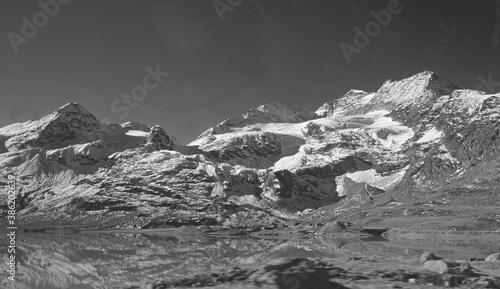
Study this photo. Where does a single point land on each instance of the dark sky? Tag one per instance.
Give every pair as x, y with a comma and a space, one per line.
288, 51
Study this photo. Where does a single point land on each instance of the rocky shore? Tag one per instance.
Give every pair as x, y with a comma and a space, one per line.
429, 271
317, 255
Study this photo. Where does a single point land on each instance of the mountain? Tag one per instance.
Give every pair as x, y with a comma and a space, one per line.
420, 147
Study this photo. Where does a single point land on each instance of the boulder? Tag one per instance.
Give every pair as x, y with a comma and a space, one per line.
204, 228
438, 266
493, 257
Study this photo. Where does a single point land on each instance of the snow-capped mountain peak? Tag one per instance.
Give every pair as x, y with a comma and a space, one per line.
66, 125
267, 113
419, 89
408, 138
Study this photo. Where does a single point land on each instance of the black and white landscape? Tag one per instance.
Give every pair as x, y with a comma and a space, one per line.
416, 159
361, 146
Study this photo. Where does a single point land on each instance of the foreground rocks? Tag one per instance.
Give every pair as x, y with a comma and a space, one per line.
302, 273
438, 266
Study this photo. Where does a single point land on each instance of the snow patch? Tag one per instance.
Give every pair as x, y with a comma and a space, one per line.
367, 98
370, 177
375, 179
388, 132
431, 135
138, 133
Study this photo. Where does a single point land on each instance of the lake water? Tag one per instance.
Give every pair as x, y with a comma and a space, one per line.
84, 261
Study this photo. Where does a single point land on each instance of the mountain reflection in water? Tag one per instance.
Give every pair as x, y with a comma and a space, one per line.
84, 261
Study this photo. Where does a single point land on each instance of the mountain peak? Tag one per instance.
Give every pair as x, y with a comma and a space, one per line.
277, 112
158, 139
270, 112
68, 124
75, 116
356, 91
352, 100
419, 90
72, 108
422, 88
425, 77
431, 77
427, 73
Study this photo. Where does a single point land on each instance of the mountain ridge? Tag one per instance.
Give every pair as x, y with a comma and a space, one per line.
409, 141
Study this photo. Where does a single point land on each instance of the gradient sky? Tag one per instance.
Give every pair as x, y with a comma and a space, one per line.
287, 51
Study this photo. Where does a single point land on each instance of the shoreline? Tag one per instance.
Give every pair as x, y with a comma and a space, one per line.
219, 231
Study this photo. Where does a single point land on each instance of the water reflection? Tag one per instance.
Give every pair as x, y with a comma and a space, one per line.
82, 261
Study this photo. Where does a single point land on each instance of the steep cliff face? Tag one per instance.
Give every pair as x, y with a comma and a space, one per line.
456, 146
412, 138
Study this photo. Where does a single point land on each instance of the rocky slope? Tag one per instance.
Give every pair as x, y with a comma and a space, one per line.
414, 141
